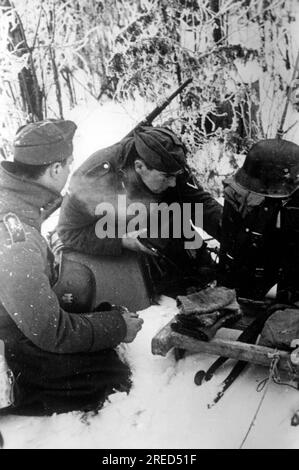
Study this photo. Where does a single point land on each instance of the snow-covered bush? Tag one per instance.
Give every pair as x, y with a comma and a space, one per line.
239, 54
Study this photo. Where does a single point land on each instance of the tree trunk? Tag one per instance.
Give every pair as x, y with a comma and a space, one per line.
217, 31
29, 88
51, 24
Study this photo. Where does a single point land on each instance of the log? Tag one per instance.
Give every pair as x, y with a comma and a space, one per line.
167, 339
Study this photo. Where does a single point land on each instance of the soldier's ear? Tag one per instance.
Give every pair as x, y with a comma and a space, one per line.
55, 169
139, 166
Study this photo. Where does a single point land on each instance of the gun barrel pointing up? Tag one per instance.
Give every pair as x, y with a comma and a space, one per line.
147, 121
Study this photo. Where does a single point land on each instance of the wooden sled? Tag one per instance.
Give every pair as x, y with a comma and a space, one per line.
166, 339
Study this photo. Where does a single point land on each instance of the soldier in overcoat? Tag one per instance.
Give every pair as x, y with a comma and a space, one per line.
60, 360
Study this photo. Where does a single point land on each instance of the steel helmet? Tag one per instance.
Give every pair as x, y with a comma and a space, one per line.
271, 168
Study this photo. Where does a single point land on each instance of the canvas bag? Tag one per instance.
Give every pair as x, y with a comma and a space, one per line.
281, 328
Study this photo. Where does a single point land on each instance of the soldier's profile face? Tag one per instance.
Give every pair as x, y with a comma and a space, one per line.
157, 181
64, 173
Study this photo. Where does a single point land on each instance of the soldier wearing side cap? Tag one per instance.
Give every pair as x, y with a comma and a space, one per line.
61, 361
148, 166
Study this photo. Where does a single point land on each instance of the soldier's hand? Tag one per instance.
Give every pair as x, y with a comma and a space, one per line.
134, 324
131, 242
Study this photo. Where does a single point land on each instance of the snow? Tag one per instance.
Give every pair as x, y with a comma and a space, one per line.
101, 126
164, 409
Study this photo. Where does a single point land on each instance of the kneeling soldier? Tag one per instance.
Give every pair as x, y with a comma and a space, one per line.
61, 361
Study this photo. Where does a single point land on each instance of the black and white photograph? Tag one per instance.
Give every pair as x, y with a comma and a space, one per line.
149, 227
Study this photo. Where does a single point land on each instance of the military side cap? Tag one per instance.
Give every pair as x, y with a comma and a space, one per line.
160, 148
44, 142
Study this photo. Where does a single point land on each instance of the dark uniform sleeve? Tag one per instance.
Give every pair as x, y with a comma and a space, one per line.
96, 181
77, 230
26, 295
192, 192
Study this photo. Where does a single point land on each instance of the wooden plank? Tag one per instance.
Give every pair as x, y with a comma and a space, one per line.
167, 339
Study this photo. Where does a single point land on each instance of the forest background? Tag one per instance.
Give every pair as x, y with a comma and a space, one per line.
59, 54
105, 64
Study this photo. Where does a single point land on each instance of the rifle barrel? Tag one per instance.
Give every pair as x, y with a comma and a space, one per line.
158, 109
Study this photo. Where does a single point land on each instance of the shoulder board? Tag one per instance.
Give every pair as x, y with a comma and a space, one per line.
14, 227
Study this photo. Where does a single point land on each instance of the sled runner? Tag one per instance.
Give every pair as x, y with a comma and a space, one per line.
167, 339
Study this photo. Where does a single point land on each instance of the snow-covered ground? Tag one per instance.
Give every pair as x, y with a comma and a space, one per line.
164, 409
